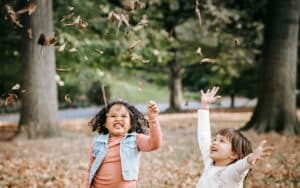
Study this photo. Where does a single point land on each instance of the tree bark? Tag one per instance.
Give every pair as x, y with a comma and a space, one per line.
175, 86
276, 108
39, 111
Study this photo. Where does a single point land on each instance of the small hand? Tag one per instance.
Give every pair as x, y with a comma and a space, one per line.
209, 97
259, 153
153, 110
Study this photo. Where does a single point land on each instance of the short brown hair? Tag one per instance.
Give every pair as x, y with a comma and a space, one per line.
239, 143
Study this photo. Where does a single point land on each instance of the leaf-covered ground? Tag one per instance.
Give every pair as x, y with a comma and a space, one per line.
61, 162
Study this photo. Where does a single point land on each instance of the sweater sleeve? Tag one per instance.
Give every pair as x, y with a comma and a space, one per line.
91, 160
152, 141
238, 170
204, 135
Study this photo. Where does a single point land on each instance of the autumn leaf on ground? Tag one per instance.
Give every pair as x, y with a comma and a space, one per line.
46, 41
11, 15
30, 8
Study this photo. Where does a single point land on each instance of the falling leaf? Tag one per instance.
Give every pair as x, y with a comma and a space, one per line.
199, 51
145, 61
46, 41
10, 99
133, 6
70, 8
29, 32
134, 44
78, 22
68, 99
16, 87
236, 42
12, 16
73, 50
143, 22
86, 58
122, 19
30, 8
62, 47
63, 69
67, 17
140, 86
99, 51
207, 60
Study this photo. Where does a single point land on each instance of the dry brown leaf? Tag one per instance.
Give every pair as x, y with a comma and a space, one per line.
12, 16
30, 8
46, 41
207, 60
78, 22
62, 47
134, 44
11, 99
133, 6
68, 99
29, 32
63, 69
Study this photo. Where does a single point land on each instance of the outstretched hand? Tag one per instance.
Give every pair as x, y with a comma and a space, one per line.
209, 97
259, 153
153, 110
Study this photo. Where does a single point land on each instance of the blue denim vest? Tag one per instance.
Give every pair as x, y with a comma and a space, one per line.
130, 156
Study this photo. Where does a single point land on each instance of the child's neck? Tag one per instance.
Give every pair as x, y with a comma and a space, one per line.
223, 162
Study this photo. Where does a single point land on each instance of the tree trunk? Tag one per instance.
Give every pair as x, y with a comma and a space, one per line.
276, 108
175, 86
39, 111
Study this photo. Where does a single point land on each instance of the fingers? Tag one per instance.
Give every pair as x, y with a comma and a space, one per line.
261, 144
152, 107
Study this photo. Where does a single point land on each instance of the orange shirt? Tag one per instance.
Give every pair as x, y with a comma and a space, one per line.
109, 174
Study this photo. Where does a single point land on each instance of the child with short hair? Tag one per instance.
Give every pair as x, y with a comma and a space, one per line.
115, 152
228, 157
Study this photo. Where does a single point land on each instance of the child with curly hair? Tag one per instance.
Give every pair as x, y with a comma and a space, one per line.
115, 152
228, 157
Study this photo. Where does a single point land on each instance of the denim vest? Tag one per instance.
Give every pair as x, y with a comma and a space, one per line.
130, 156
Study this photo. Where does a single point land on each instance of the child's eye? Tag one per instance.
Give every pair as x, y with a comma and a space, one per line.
124, 116
222, 140
214, 139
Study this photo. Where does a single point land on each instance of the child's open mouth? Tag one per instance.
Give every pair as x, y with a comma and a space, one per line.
118, 125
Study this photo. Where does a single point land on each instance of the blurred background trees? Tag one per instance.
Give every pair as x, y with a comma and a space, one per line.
148, 50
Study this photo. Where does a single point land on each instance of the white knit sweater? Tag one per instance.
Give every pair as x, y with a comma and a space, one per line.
231, 176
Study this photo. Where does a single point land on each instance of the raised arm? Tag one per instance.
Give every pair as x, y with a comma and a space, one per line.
203, 130
154, 140
241, 167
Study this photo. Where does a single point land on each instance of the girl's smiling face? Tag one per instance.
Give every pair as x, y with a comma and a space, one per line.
118, 120
220, 151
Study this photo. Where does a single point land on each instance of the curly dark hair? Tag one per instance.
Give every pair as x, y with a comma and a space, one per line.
137, 120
